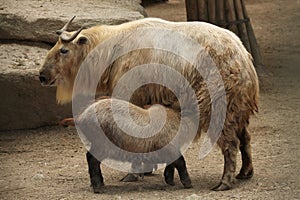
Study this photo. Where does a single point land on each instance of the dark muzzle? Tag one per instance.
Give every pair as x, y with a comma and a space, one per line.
42, 78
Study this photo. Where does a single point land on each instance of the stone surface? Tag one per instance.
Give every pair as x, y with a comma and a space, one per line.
37, 20
24, 102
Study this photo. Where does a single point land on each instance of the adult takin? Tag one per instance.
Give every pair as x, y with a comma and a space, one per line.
232, 61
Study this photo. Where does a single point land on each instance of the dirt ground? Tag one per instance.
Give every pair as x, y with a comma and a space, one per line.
49, 163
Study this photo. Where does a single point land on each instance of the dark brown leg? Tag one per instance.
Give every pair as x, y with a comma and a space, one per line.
169, 174
246, 171
180, 165
95, 172
229, 145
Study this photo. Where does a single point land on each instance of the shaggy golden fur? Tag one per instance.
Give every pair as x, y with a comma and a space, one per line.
234, 64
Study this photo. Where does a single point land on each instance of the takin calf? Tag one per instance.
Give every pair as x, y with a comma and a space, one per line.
142, 144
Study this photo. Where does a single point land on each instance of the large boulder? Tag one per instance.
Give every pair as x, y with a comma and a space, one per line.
37, 20
24, 102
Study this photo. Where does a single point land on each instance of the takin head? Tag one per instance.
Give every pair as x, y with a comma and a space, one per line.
63, 61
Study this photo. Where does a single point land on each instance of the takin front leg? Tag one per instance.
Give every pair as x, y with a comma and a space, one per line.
246, 171
180, 165
229, 146
95, 172
169, 174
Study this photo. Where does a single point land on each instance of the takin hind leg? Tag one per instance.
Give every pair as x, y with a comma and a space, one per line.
180, 165
229, 145
95, 172
246, 171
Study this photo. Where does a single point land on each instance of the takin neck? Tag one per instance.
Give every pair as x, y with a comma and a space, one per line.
64, 94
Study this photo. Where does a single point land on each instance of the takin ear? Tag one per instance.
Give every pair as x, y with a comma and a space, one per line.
82, 40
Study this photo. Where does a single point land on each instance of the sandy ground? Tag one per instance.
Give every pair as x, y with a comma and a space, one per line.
49, 163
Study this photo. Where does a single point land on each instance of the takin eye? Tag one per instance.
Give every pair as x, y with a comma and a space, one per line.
63, 50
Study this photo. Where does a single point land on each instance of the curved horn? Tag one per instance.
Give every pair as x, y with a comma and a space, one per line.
66, 26
67, 38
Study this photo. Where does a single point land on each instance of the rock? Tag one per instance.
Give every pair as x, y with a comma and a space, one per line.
117, 197
24, 102
37, 20
193, 197
38, 176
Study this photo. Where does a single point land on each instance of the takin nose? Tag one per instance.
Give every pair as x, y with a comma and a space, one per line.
43, 78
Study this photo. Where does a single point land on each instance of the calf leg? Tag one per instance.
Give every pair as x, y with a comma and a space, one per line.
133, 177
95, 172
130, 177
245, 148
147, 168
229, 145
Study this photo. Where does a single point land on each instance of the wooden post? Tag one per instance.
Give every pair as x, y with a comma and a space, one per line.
220, 13
211, 4
230, 14
192, 10
255, 51
241, 25
202, 10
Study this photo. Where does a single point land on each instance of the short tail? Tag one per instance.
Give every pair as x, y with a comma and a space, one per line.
67, 122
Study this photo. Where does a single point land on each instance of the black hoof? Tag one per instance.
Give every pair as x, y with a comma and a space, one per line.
98, 188
148, 174
242, 175
170, 182
130, 178
222, 187
187, 183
